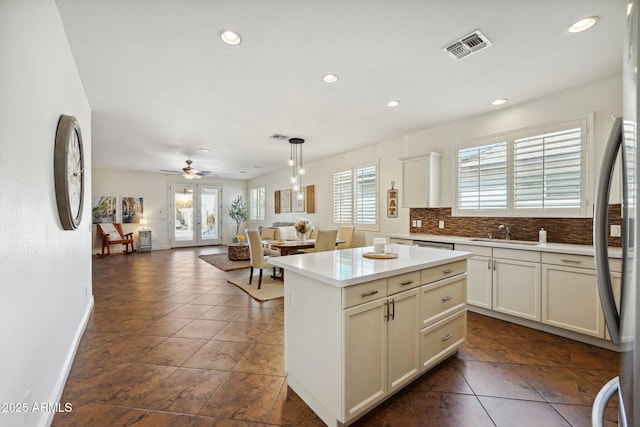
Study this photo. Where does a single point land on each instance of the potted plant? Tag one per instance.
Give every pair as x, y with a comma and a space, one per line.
239, 213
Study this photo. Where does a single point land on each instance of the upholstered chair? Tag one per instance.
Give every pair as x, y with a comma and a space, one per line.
326, 241
257, 257
346, 233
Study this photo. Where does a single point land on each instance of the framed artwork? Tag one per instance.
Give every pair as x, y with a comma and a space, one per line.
285, 201
298, 203
103, 209
132, 210
310, 198
276, 201
392, 202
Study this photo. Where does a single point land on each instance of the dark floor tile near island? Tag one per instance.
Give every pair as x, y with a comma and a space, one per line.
171, 343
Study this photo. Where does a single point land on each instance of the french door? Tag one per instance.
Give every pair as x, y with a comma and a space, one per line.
195, 215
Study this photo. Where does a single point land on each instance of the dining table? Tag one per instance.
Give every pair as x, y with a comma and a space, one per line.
290, 247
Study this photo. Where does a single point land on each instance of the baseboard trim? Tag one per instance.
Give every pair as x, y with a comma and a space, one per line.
56, 393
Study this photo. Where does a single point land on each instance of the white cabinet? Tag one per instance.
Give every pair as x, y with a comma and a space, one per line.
479, 275
382, 349
365, 355
570, 293
421, 181
348, 349
516, 283
404, 349
504, 280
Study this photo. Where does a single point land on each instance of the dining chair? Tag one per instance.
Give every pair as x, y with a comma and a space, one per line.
345, 233
326, 241
256, 256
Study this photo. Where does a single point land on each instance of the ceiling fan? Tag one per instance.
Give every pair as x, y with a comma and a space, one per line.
189, 172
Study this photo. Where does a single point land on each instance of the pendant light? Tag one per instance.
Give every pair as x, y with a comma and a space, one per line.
297, 166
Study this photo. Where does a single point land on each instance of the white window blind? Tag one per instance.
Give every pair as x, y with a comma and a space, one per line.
257, 208
355, 197
482, 177
538, 171
342, 197
366, 191
548, 170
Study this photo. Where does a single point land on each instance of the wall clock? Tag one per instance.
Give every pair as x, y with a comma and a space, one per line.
68, 169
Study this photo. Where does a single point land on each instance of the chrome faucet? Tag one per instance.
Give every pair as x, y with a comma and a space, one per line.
506, 229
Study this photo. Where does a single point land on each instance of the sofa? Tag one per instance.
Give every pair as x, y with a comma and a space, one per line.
279, 232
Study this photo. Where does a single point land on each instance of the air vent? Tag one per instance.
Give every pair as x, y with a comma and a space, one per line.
278, 136
467, 45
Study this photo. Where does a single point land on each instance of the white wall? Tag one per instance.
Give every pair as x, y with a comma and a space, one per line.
45, 272
154, 188
603, 98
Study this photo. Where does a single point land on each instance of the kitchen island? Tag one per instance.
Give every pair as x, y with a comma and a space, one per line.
359, 329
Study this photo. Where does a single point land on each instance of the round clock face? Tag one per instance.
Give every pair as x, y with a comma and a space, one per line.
69, 172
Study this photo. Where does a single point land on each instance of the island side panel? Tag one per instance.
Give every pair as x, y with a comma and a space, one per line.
313, 343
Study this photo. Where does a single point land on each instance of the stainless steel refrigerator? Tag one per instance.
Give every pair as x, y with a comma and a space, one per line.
621, 315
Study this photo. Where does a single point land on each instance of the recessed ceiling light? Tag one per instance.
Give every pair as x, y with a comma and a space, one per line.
329, 78
204, 150
393, 103
498, 101
629, 8
582, 24
230, 37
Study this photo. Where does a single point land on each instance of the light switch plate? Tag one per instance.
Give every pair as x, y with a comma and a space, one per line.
419, 223
440, 224
615, 231
414, 223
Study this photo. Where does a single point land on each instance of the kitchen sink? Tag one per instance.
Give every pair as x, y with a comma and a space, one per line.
512, 242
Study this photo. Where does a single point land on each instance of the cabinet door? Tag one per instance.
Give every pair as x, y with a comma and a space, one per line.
365, 353
516, 288
570, 300
414, 183
403, 336
479, 281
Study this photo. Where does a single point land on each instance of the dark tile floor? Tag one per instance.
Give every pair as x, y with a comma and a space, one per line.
171, 343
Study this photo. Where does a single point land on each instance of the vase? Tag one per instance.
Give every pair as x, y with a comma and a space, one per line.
302, 237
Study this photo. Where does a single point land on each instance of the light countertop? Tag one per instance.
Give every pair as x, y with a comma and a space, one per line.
348, 267
513, 244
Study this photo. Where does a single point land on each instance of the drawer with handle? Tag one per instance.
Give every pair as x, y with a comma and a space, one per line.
403, 282
442, 298
443, 271
364, 292
570, 260
442, 339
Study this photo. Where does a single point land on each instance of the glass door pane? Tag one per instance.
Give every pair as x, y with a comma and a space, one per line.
209, 215
182, 215
195, 215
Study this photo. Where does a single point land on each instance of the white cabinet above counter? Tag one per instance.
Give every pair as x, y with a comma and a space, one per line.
421, 181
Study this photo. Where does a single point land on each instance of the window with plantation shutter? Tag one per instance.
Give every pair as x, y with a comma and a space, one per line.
482, 177
539, 171
548, 170
342, 197
355, 197
257, 208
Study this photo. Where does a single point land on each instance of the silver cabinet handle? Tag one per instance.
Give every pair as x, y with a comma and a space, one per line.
571, 261
368, 294
494, 265
408, 282
600, 226
447, 337
489, 265
447, 298
393, 309
448, 271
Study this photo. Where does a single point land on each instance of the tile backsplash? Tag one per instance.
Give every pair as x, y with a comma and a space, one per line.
559, 230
